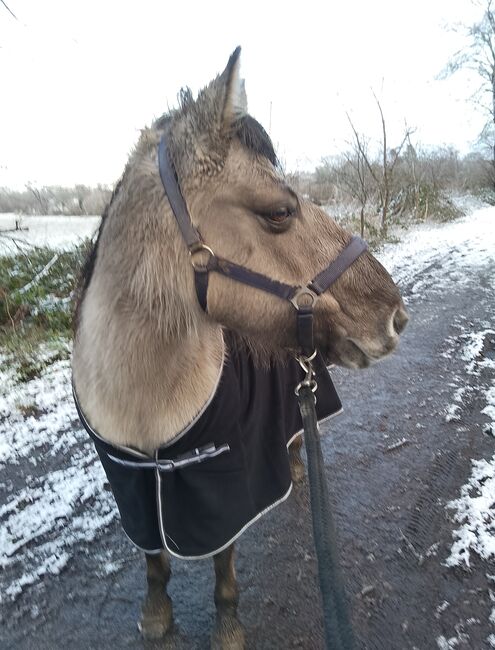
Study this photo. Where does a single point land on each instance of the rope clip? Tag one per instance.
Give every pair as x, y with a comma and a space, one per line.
309, 380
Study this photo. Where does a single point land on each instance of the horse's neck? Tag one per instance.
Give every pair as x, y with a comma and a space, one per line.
136, 388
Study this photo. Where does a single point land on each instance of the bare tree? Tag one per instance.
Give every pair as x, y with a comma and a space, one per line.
55, 199
8, 9
40, 198
359, 184
479, 56
389, 161
382, 174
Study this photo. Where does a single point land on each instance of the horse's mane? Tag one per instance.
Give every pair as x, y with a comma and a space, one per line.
90, 261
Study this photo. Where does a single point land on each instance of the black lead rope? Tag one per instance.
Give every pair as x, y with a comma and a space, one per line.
338, 630
337, 624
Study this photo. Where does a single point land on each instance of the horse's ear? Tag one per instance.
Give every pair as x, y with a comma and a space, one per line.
234, 99
208, 122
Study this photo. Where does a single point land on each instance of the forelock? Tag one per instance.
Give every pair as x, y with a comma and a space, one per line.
254, 137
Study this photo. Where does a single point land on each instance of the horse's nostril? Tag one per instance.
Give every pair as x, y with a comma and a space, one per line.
400, 320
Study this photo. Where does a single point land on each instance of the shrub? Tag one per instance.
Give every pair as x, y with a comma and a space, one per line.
36, 303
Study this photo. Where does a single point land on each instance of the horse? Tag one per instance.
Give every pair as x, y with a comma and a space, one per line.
149, 359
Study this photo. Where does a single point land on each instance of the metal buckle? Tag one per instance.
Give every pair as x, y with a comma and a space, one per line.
201, 248
305, 293
165, 465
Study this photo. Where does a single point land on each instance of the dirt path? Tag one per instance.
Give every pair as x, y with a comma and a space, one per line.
400, 452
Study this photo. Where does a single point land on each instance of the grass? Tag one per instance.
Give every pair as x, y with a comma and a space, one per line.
36, 307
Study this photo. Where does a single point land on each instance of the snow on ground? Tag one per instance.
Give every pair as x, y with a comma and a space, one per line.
431, 259
469, 345
428, 261
475, 511
433, 255
37, 413
63, 503
47, 520
56, 231
489, 409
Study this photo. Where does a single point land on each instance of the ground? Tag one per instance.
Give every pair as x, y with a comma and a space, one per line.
410, 464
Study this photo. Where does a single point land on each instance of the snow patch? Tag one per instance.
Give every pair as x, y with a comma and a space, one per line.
43, 524
432, 257
453, 411
447, 644
490, 407
469, 346
473, 348
475, 511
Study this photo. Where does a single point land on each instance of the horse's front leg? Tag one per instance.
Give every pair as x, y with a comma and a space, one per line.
296, 464
228, 633
156, 614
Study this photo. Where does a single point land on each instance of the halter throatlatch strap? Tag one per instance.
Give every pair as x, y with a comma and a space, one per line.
302, 298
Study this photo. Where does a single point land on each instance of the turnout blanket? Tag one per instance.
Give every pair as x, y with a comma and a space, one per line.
196, 494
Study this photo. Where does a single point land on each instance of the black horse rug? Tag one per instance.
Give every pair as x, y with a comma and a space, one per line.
201, 490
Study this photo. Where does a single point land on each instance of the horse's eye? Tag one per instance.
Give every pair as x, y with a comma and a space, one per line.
279, 216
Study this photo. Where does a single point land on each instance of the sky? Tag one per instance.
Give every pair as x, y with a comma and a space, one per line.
78, 80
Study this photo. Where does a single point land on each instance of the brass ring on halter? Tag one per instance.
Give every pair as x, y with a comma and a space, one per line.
198, 249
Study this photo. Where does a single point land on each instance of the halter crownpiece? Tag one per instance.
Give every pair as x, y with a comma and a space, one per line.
302, 298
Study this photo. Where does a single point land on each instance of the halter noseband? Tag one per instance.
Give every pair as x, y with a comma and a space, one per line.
302, 298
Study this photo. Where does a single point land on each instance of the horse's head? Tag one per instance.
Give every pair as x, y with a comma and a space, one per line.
245, 211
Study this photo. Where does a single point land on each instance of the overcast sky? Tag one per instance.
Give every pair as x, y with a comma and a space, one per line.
79, 79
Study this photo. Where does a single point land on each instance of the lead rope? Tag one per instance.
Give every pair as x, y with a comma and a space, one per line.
338, 630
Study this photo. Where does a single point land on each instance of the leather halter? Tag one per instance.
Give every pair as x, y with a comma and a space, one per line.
302, 298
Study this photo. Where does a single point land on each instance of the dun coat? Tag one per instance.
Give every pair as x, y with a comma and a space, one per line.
147, 359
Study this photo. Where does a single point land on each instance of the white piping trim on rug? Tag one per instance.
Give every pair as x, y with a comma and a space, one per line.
164, 535
177, 436
222, 548
84, 419
203, 408
145, 550
328, 417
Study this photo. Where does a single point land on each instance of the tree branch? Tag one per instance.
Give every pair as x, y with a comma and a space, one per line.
8, 9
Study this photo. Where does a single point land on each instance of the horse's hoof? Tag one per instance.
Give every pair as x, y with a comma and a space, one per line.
228, 634
156, 625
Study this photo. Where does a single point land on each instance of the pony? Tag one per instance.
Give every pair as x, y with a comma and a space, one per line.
149, 361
